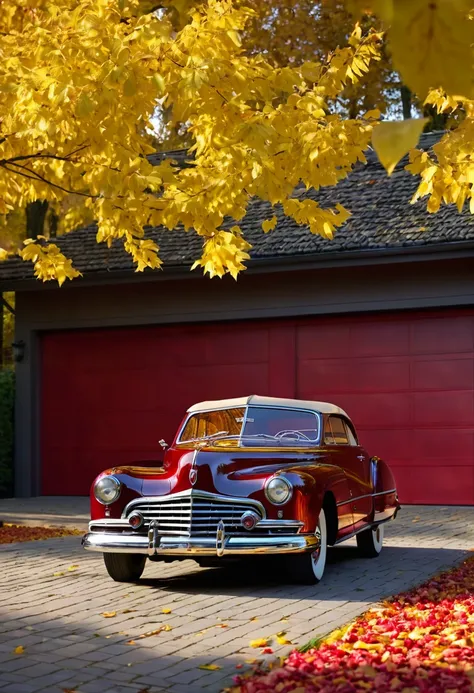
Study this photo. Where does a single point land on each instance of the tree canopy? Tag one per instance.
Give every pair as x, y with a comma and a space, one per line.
269, 100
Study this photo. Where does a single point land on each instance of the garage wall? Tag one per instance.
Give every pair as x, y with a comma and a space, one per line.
312, 292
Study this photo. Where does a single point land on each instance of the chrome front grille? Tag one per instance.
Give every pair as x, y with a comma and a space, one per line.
206, 515
193, 515
173, 514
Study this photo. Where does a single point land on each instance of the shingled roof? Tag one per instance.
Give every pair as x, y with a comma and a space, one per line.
382, 220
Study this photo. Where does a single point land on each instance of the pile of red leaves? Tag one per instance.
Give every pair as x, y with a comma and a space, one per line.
13, 533
422, 640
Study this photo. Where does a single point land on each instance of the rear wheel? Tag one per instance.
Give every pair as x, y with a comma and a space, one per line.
308, 568
370, 542
124, 567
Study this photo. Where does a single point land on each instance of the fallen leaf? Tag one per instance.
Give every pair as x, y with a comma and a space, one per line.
209, 667
254, 618
282, 639
165, 610
72, 568
109, 614
19, 650
167, 628
222, 625
131, 642
239, 666
128, 611
260, 642
267, 650
57, 574
284, 619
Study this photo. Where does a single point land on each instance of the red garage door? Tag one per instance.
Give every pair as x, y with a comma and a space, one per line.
407, 380
109, 396
408, 383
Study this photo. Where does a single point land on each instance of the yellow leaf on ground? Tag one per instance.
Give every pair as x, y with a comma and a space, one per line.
72, 568
131, 642
392, 140
57, 574
209, 667
109, 614
165, 611
166, 628
260, 642
19, 650
282, 639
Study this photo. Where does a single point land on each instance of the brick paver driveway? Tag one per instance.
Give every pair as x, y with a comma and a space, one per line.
68, 644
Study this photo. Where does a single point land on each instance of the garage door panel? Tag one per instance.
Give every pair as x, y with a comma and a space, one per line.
433, 444
455, 408
326, 340
443, 374
385, 410
230, 346
392, 445
378, 338
448, 335
355, 375
449, 486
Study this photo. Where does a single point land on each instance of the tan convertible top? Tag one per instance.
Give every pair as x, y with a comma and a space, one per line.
257, 400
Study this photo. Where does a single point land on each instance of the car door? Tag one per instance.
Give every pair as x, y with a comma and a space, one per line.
355, 463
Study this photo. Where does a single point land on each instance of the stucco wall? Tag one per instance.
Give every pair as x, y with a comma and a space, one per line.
310, 292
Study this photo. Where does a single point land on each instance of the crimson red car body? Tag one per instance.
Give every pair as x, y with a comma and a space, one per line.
304, 487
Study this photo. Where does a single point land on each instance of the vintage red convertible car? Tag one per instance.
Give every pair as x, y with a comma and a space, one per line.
243, 478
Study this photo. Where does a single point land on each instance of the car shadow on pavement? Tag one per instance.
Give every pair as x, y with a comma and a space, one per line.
346, 575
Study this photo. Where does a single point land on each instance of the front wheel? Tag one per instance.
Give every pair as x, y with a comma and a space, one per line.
124, 567
370, 542
308, 568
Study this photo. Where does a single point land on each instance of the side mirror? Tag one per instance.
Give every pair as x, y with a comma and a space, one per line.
163, 444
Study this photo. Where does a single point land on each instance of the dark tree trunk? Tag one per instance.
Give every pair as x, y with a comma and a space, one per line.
35, 218
53, 221
406, 102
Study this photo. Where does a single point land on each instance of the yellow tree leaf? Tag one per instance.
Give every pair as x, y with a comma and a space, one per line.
109, 614
392, 140
269, 224
19, 650
431, 45
165, 610
209, 667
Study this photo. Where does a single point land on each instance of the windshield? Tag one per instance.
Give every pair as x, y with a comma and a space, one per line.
256, 426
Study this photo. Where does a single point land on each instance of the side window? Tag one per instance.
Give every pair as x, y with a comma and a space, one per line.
328, 435
339, 432
350, 435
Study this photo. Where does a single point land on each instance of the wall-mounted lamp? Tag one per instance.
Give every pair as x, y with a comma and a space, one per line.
18, 349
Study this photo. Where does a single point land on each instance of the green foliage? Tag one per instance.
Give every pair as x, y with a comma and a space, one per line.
7, 399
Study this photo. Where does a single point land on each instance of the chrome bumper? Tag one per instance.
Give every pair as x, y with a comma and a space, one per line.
187, 547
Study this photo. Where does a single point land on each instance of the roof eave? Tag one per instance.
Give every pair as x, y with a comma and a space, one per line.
349, 258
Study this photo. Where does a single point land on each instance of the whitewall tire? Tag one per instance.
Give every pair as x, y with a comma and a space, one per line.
309, 568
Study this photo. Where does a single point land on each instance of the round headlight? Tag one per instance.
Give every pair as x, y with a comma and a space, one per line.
278, 490
107, 490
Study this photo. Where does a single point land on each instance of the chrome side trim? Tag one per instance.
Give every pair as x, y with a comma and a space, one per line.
364, 529
187, 547
367, 495
194, 493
